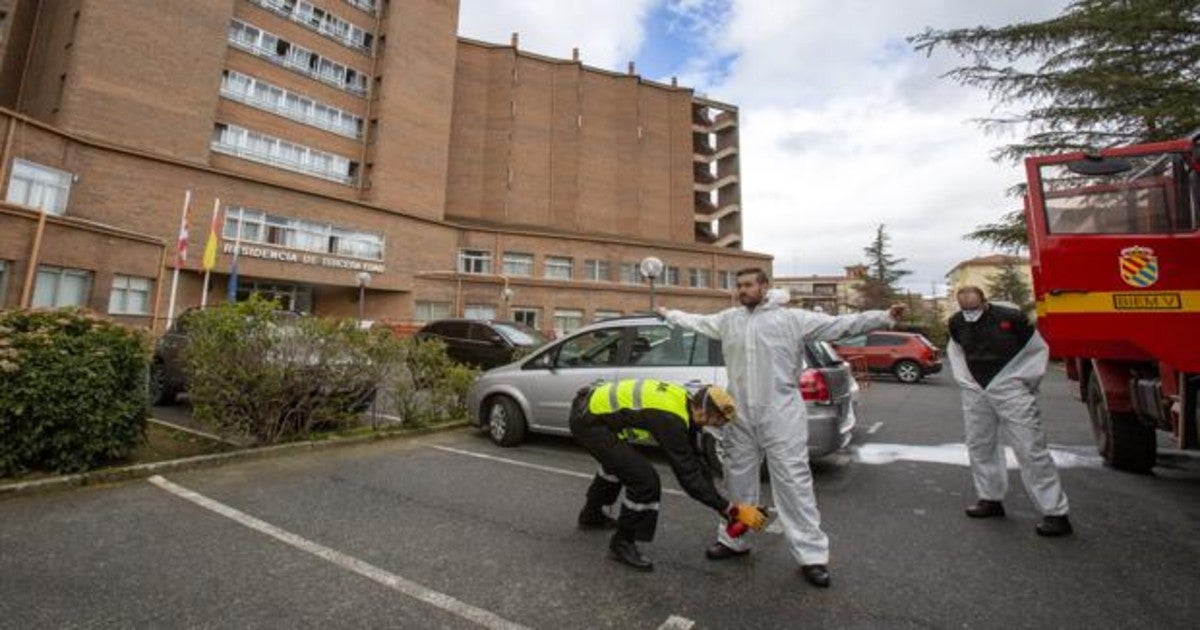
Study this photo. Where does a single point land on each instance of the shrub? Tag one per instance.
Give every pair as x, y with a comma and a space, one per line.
254, 371
72, 390
424, 386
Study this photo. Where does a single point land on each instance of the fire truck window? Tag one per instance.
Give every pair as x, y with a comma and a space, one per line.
1140, 201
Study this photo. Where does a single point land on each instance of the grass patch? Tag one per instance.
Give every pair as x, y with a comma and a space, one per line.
163, 443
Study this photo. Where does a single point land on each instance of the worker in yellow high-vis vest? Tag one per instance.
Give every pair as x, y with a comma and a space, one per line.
605, 417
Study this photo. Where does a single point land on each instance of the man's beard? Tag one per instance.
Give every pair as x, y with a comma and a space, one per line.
749, 301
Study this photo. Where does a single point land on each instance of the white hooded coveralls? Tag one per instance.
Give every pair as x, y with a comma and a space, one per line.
764, 356
1009, 403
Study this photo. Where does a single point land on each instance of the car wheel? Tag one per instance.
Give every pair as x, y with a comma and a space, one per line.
1123, 442
907, 371
505, 422
161, 392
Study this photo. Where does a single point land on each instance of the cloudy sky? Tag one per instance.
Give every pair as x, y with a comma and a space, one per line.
844, 127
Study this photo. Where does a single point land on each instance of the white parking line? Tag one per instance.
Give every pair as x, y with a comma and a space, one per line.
874, 427
549, 469
445, 602
675, 622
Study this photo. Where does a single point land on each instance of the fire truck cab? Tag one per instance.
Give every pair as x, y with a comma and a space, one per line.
1114, 240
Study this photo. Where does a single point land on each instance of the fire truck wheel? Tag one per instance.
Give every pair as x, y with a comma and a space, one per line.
1123, 442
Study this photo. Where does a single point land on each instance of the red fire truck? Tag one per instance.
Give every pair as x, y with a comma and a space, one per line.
1114, 240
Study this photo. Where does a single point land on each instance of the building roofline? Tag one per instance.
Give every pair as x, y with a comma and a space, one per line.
988, 261
586, 68
452, 224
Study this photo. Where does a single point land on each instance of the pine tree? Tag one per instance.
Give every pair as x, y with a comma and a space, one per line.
1009, 285
878, 289
1102, 73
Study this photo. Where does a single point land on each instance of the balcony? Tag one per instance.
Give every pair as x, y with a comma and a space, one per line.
343, 36
701, 123
728, 240
708, 183
297, 65
709, 213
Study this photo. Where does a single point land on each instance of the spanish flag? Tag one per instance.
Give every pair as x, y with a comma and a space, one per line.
210, 246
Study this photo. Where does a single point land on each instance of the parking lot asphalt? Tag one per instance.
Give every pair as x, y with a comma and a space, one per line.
451, 531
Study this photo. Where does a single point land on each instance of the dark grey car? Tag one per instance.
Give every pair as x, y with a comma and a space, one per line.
534, 394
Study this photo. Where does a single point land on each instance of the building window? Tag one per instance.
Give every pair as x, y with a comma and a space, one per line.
699, 278
670, 276
57, 287
295, 298
431, 311
259, 227
3, 282
264, 149
262, 95
479, 311
567, 321
474, 261
631, 274
531, 317
365, 5
320, 21
267, 45
130, 296
518, 264
38, 186
558, 268
601, 315
726, 279
597, 270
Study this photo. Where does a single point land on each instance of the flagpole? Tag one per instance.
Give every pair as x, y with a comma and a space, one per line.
231, 295
181, 246
208, 259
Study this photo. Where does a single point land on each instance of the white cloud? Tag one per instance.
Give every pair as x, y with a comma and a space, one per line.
608, 33
844, 128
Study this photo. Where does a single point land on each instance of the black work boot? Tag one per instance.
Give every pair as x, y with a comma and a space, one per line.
1054, 526
594, 518
626, 552
816, 574
985, 509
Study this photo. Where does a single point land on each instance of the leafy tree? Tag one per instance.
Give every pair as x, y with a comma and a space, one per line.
1009, 285
878, 289
1102, 73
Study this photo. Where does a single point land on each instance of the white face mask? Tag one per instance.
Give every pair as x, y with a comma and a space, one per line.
972, 315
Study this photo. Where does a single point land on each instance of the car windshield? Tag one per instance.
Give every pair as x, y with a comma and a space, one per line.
520, 334
927, 342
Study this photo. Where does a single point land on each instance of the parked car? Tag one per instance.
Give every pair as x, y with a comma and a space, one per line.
908, 356
534, 394
483, 343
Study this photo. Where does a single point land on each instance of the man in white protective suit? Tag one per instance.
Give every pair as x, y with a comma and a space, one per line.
763, 344
999, 359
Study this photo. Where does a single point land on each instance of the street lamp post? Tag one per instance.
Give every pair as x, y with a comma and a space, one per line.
651, 267
364, 279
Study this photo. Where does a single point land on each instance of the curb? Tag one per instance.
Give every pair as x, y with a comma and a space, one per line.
141, 471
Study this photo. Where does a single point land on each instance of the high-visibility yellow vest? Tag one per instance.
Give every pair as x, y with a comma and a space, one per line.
638, 394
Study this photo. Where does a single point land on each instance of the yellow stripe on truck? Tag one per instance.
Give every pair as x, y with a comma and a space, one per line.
1121, 302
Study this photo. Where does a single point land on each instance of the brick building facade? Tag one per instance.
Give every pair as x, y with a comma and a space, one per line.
343, 137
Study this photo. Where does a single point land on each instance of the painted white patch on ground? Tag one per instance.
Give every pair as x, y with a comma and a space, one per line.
445, 602
675, 622
956, 455
874, 428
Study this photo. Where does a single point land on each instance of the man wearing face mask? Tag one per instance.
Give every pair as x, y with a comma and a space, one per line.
763, 345
999, 359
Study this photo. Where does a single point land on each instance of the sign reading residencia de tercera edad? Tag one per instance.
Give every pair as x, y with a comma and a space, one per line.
303, 258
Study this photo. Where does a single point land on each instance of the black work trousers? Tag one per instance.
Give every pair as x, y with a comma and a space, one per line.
620, 466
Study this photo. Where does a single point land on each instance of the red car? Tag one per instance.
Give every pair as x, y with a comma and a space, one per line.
909, 356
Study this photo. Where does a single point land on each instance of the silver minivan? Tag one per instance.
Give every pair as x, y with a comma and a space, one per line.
534, 394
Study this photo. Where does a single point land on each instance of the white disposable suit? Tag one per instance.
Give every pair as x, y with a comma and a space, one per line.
1009, 403
764, 356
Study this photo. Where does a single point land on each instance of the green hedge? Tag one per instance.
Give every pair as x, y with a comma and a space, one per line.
72, 390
